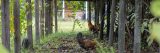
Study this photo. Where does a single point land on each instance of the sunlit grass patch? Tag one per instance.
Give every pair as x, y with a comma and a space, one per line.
67, 26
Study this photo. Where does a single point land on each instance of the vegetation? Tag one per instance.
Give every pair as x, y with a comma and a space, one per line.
121, 26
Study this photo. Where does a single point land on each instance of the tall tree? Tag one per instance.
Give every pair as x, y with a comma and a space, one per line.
97, 13
137, 27
102, 14
17, 33
56, 21
121, 27
48, 17
42, 19
5, 24
37, 20
89, 11
29, 22
108, 12
113, 17
95, 10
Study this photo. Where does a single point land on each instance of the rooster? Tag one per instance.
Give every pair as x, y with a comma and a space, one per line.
85, 43
92, 27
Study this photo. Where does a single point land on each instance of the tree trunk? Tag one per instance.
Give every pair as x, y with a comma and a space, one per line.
17, 38
89, 11
121, 27
37, 25
56, 21
102, 14
42, 19
29, 22
95, 10
113, 17
137, 27
159, 49
48, 17
97, 14
108, 17
5, 24
96, 20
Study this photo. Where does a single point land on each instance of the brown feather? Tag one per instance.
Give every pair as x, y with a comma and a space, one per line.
85, 43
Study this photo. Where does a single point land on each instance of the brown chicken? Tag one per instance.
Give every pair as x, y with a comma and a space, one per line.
85, 43
92, 27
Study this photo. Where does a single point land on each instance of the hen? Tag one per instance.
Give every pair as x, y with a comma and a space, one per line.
92, 27
85, 43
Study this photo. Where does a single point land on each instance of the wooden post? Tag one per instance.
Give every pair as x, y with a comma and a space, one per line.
63, 15
86, 9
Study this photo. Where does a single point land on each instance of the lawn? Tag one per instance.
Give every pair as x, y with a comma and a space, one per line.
67, 26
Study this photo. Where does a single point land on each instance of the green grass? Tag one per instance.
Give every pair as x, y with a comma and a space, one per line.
101, 47
67, 26
64, 30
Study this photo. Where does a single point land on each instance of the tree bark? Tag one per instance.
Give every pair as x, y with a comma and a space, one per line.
56, 21
37, 20
48, 17
102, 14
97, 13
42, 19
137, 27
29, 22
113, 17
108, 17
96, 19
17, 38
89, 11
95, 10
5, 24
121, 27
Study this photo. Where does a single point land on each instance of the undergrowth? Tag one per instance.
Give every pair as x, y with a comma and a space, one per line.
54, 40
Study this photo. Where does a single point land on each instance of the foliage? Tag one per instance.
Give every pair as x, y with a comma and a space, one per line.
154, 30
104, 48
75, 6
23, 19
155, 8
154, 26
76, 22
11, 16
23, 22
